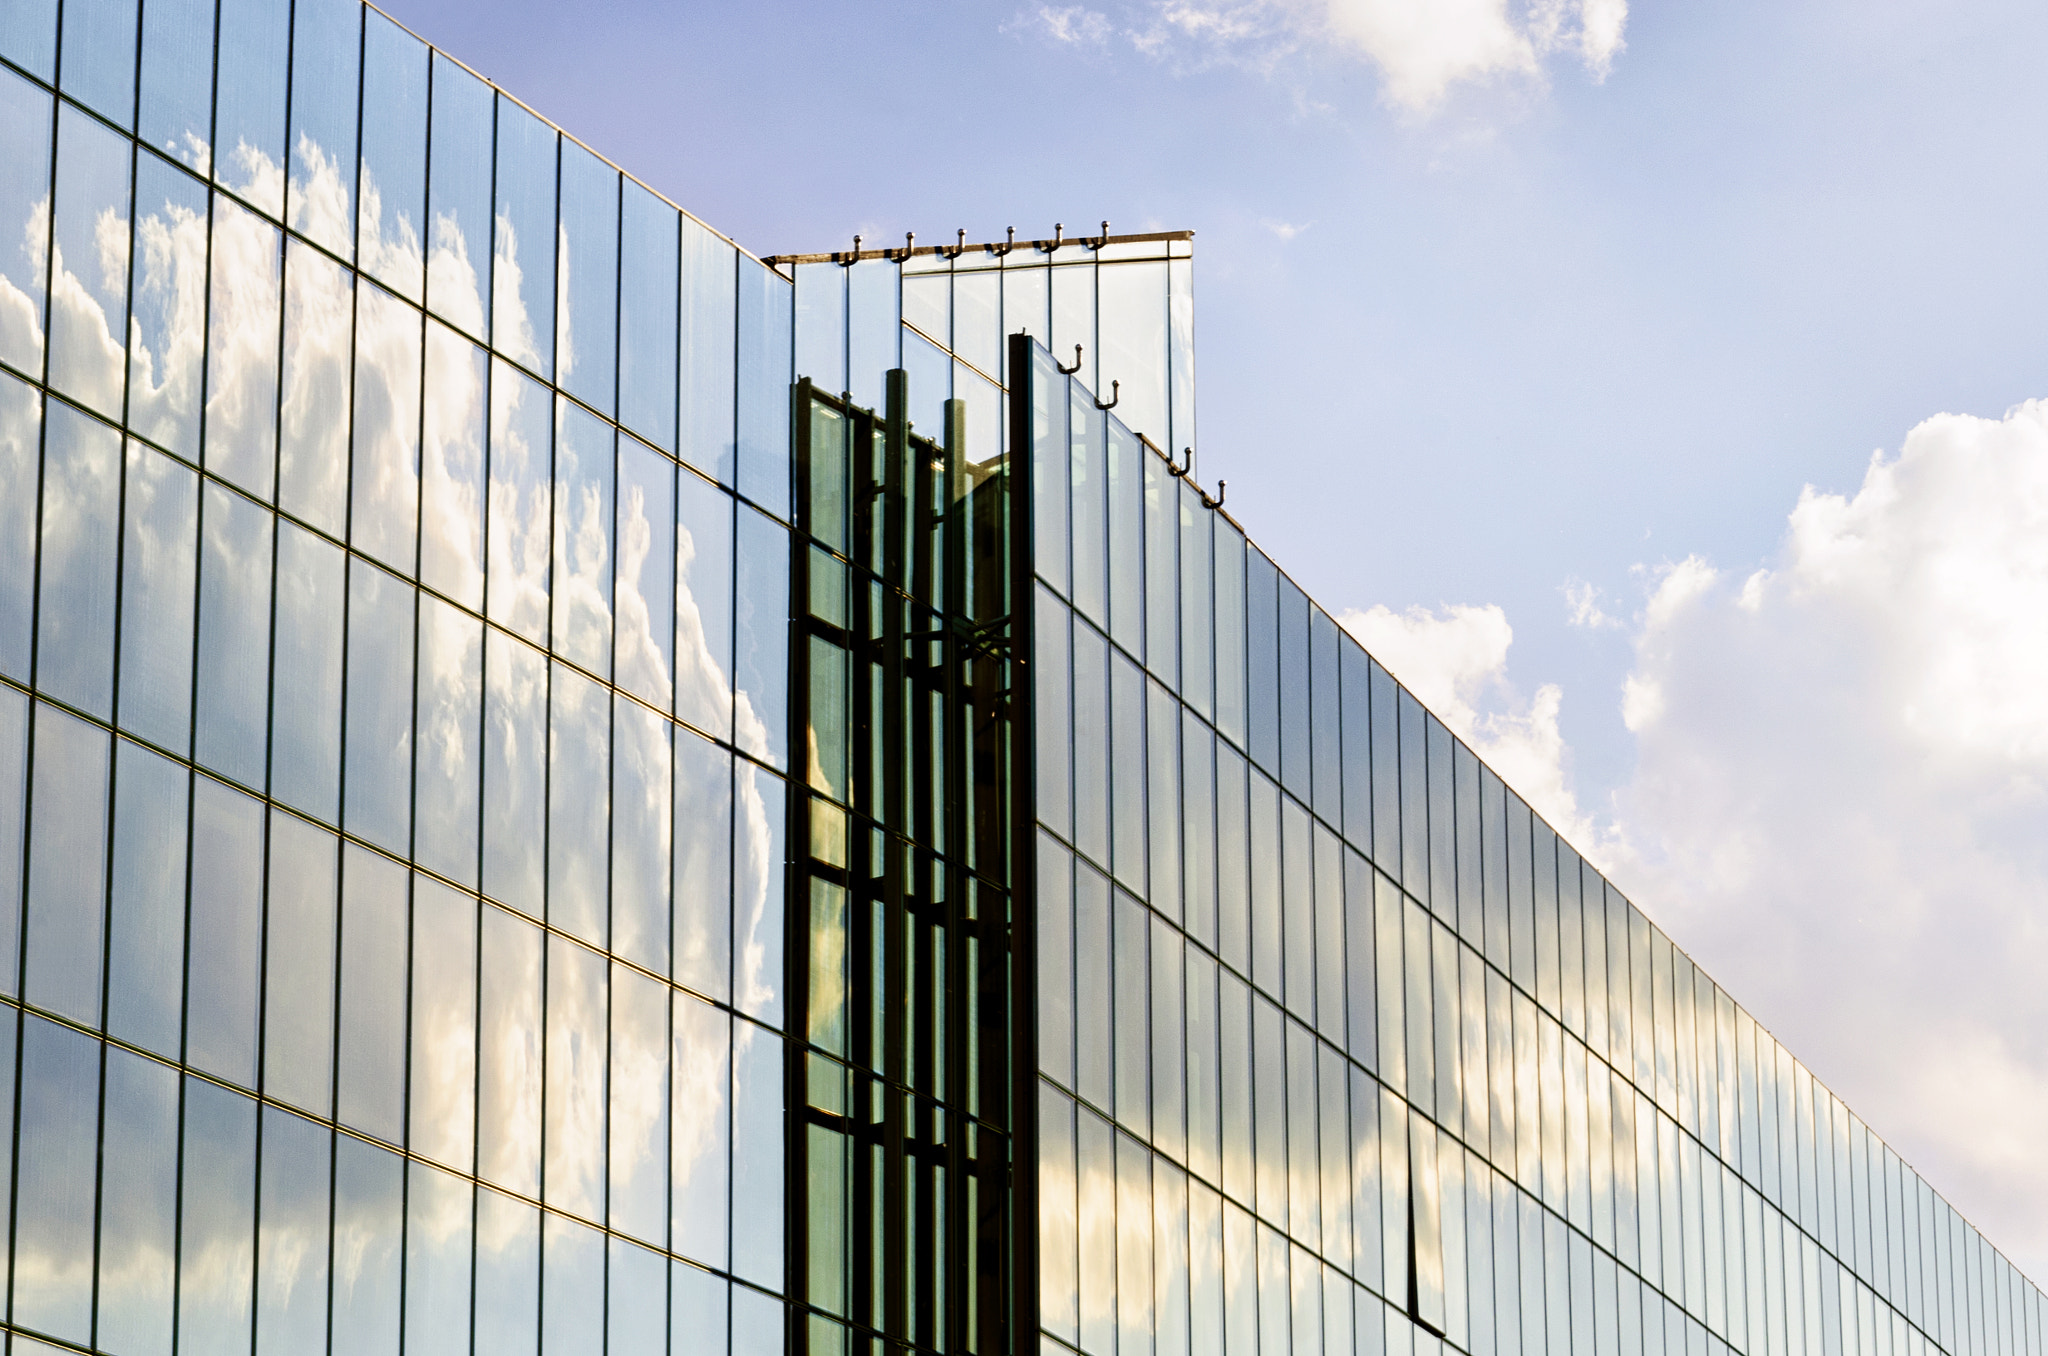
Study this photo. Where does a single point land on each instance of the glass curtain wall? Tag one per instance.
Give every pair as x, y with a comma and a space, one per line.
1343, 1050
394, 710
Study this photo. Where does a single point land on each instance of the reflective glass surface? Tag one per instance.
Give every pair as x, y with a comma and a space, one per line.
379, 874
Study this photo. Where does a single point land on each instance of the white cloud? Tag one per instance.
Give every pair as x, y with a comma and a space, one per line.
1840, 800
1069, 25
1286, 230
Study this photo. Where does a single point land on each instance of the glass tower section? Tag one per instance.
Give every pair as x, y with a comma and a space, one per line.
568, 789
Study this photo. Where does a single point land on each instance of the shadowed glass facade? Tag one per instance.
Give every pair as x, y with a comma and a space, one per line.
566, 789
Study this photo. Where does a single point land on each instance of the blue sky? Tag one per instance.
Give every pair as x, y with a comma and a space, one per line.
1563, 351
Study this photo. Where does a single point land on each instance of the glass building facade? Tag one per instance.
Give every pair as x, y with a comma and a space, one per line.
565, 788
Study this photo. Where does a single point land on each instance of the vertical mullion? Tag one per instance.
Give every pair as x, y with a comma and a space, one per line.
1022, 1222
896, 1227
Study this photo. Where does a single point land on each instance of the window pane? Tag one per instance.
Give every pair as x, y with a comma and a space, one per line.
639, 1136
761, 639
586, 342
759, 879
646, 620
89, 269
298, 1026
368, 1195
67, 865
21, 409
138, 1204
523, 268
459, 258
509, 1079
648, 290
59, 1117
177, 78
291, 1251
394, 168
757, 1168
515, 773
764, 380
584, 471
243, 315
444, 1007
452, 468
326, 40
167, 324
521, 492
701, 1054
703, 865
145, 983
24, 199
575, 1109
378, 756
216, 1241
234, 635
305, 750
704, 606
227, 893
319, 319
450, 716
706, 352
385, 466
507, 1274
641, 826
579, 805
372, 1049
438, 1209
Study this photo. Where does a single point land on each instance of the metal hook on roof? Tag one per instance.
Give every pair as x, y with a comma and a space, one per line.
956, 250
1174, 468
1059, 229
1222, 488
1115, 394
1099, 241
1009, 243
909, 243
1070, 371
853, 258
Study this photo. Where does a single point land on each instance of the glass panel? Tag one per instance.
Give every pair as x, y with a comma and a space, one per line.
821, 325
374, 910
523, 251
703, 606
377, 757
438, 1210
509, 1074
138, 1204
703, 865
226, 926
701, 1061
243, 317
459, 199
757, 1162
177, 78
21, 408
81, 517
647, 565
764, 380
450, 699
705, 352
298, 1018
452, 465
28, 36
305, 750
58, 1139
642, 819
1089, 473
234, 635
638, 1126
1091, 732
1127, 463
579, 804
584, 479
385, 474
761, 661
1130, 973
1127, 709
249, 101
648, 291
292, 1238
24, 199
515, 773
394, 169
326, 43
574, 1172
507, 1274
1231, 696
368, 1207
636, 1315
444, 1026
89, 269
874, 338
1050, 475
1262, 659
1133, 330
586, 341
145, 959
313, 458
759, 870
216, 1242
167, 295
521, 488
